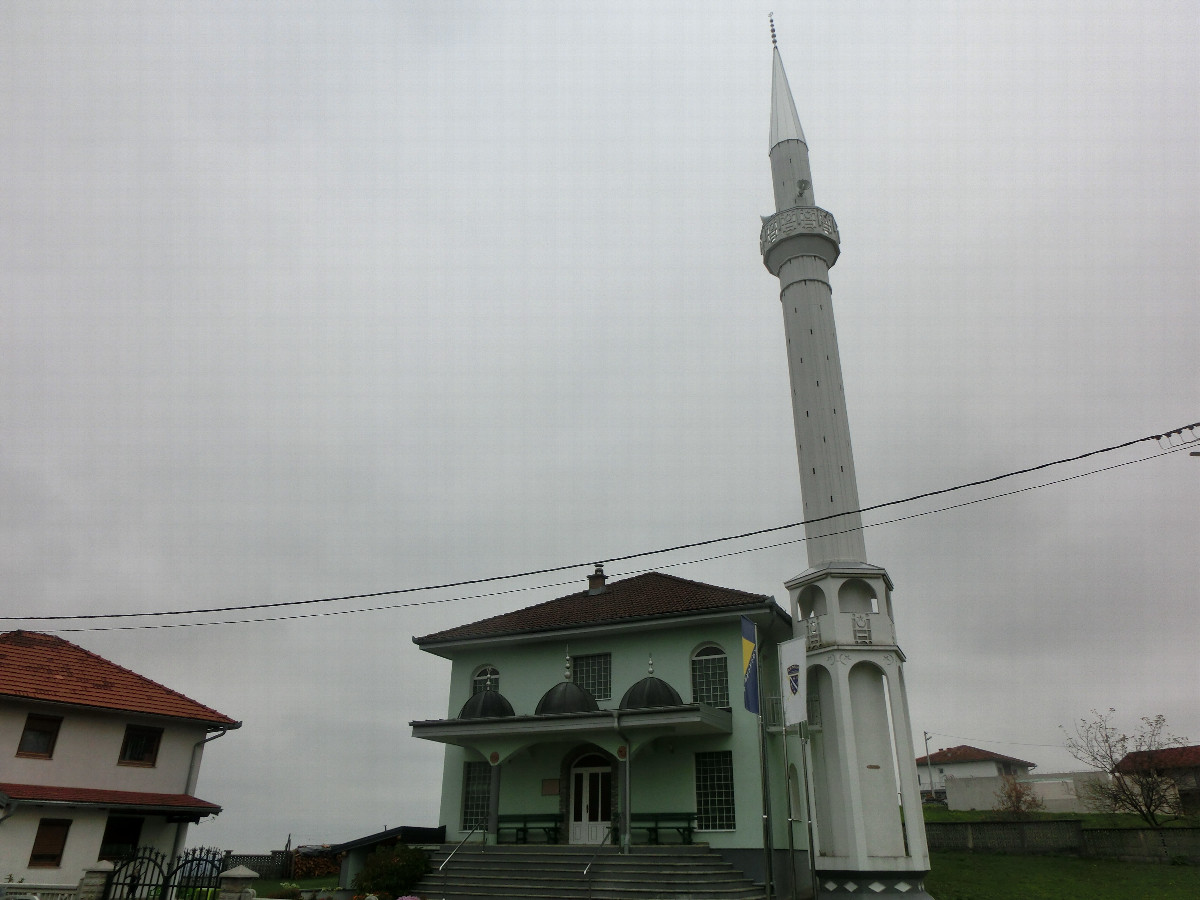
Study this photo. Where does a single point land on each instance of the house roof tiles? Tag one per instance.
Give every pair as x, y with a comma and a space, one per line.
33, 793
966, 754
647, 596
1166, 758
46, 668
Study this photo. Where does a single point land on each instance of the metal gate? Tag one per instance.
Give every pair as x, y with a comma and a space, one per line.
148, 875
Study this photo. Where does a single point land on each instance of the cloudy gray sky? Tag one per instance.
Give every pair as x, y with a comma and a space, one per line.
307, 300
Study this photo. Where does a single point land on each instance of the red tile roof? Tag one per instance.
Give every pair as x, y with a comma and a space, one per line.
1166, 758
44, 667
966, 754
647, 596
33, 793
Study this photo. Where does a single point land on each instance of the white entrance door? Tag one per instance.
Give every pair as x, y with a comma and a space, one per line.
591, 800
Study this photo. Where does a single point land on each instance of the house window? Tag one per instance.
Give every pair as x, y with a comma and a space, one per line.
121, 836
48, 844
39, 736
486, 679
710, 677
477, 777
140, 747
594, 674
714, 791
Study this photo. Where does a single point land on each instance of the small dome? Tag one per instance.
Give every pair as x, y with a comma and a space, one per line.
650, 692
566, 697
486, 705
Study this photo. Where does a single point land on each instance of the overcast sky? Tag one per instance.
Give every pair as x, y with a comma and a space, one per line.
307, 300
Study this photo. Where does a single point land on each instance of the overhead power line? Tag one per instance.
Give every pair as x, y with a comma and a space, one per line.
539, 587
1171, 437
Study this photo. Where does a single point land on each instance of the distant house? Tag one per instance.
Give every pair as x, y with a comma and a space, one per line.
582, 719
964, 762
1182, 764
95, 760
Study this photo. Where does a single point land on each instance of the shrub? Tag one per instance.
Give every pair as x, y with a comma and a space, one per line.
1017, 798
391, 871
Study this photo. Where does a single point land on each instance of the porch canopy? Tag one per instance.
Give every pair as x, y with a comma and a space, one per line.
620, 731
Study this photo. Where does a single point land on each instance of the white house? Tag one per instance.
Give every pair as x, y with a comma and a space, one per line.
965, 762
95, 760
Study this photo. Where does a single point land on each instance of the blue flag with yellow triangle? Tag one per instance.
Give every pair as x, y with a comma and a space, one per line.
750, 664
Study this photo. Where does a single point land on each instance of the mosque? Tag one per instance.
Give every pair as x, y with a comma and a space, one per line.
617, 714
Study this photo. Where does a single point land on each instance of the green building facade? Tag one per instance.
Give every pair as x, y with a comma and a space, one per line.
617, 714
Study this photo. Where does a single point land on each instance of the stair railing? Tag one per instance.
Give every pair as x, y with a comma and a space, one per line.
587, 868
450, 856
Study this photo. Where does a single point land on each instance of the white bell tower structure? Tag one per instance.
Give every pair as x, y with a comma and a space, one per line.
864, 777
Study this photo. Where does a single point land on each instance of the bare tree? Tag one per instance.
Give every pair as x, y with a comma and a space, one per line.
1017, 797
1139, 783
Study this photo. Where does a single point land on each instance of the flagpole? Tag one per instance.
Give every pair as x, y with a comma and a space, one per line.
768, 844
791, 812
808, 806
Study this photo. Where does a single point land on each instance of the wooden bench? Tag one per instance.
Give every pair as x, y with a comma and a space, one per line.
654, 823
520, 824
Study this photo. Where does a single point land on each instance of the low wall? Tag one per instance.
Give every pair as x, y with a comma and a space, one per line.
1064, 836
1143, 844
1067, 836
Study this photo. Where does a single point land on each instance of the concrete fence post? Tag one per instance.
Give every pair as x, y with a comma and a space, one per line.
95, 877
235, 884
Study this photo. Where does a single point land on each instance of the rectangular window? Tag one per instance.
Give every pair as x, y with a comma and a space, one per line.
39, 737
49, 843
121, 836
140, 747
714, 791
593, 673
477, 777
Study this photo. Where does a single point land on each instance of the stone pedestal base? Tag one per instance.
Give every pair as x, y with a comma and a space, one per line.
893, 886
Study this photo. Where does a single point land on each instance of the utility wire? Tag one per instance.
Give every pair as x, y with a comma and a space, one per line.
562, 568
417, 603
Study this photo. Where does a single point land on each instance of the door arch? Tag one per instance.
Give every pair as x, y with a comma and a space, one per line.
590, 807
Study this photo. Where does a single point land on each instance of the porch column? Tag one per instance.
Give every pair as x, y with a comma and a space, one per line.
493, 818
625, 793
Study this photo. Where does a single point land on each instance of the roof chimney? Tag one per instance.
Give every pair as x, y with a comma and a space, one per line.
596, 580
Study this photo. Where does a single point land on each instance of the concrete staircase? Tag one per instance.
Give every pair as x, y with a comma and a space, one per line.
677, 872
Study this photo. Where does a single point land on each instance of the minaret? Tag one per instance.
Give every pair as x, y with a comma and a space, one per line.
864, 778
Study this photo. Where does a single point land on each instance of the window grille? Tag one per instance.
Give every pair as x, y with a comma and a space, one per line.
714, 791
593, 673
486, 679
710, 677
814, 703
477, 779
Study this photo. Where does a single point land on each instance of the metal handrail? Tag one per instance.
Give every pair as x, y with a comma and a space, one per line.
603, 843
445, 862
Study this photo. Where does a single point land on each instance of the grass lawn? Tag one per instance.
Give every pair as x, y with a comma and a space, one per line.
985, 876
266, 888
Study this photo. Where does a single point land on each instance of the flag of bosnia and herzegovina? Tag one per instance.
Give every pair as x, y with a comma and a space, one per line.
750, 665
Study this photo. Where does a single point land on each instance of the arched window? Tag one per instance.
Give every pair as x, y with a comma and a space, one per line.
486, 679
710, 677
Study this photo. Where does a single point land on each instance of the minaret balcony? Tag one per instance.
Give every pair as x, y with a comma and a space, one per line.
848, 629
801, 230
